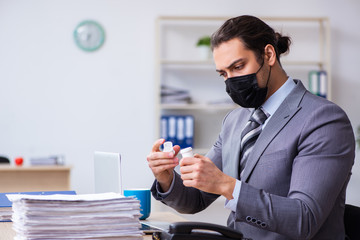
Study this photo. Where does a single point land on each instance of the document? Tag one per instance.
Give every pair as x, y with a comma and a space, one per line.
88, 216
5, 204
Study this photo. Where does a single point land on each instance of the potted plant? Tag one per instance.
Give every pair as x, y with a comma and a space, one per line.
203, 44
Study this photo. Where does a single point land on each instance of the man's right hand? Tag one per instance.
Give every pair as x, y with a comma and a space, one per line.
162, 164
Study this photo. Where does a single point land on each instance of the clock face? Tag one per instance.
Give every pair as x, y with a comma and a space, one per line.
89, 35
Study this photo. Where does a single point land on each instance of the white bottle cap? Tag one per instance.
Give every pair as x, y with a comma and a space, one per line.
168, 147
187, 152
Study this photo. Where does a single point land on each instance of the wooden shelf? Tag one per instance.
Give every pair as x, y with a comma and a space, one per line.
34, 178
199, 106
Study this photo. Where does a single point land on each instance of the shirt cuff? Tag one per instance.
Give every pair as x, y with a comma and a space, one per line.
160, 191
231, 204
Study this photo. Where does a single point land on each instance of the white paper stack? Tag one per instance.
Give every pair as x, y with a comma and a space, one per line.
91, 216
171, 95
5, 214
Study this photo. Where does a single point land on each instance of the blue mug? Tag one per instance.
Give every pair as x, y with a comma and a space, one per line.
144, 196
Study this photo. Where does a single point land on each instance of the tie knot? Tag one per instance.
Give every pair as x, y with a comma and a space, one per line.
259, 116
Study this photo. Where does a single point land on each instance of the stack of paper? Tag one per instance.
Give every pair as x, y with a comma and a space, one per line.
52, 160
171, 95
92, 216
5, 214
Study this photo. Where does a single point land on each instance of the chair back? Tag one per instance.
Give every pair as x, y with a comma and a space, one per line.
352, 222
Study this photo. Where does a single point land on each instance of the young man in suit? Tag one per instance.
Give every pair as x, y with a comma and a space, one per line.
284, 178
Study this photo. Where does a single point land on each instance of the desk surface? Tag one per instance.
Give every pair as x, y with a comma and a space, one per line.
8, 233
10, 168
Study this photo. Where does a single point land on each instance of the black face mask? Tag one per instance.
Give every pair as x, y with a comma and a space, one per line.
244, 90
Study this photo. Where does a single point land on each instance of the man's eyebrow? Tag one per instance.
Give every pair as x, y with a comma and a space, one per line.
231, 65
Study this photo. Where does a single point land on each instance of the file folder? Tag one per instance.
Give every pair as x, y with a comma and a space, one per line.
318, 83
178, 129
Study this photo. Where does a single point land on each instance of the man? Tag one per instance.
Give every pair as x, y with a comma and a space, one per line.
282, 161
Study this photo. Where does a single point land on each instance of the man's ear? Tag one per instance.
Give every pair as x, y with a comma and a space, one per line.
270, 54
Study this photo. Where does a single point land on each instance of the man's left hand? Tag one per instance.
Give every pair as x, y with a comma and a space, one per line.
201, 173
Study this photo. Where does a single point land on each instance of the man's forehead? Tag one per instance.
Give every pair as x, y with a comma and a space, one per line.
229, 52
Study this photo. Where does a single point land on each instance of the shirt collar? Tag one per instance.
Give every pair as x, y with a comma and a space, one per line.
274, 101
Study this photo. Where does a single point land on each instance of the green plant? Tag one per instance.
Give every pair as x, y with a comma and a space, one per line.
204, 41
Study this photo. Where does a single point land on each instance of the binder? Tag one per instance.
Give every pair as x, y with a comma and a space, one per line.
164, 127
322, 84
178, 129
189, 131
314, 82
5, 203
318, 83
172, 129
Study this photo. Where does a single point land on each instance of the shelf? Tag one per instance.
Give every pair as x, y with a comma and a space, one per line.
179, 64
200, 106
187, 62
211, 63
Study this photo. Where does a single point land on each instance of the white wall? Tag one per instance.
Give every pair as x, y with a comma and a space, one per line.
57, 99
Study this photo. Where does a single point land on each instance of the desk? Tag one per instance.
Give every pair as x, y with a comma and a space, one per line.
34, 178
7, 233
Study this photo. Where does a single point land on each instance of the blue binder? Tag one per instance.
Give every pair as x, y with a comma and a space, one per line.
178, 129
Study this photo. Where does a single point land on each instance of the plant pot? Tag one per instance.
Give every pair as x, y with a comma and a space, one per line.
204, 52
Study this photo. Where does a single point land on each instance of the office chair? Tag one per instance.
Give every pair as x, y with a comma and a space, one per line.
352, 222
4, 160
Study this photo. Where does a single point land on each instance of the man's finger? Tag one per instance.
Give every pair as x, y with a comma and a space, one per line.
159, 162
157, 144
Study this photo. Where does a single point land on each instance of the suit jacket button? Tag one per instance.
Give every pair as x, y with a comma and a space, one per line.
258, 222
248, 219
253, 220
263, 225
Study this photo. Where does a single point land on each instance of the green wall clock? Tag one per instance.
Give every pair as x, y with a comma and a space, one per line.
89, 35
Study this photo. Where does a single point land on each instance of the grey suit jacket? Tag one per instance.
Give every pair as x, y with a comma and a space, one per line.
295, 179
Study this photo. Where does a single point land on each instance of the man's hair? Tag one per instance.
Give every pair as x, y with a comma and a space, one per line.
254, 33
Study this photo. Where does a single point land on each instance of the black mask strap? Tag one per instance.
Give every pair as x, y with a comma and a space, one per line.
268, 77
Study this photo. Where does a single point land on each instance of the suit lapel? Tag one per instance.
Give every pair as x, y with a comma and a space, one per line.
278, 121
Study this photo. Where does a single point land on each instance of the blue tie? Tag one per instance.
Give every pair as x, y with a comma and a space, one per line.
250, 134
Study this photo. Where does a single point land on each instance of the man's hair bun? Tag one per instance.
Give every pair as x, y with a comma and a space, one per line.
283, 43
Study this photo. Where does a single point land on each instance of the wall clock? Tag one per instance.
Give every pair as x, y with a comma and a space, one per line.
89, 35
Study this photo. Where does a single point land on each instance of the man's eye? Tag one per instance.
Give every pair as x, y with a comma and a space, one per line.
222, 75
238, 67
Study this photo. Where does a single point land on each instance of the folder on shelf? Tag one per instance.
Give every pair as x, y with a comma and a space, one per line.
314, 82
171, 130
189, 131
178, 129
164, 127
322, 83
5, 203
318, 83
